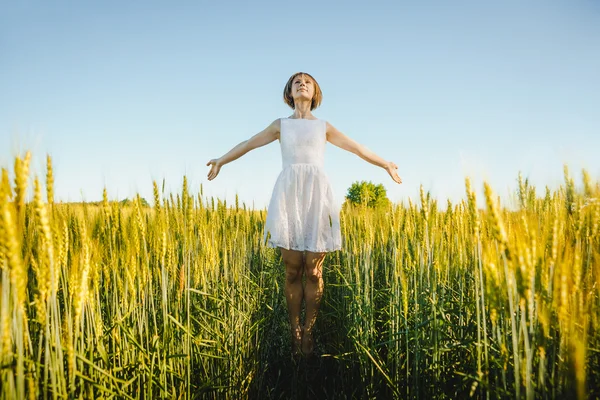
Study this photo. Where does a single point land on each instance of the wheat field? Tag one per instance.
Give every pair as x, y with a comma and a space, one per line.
182, 299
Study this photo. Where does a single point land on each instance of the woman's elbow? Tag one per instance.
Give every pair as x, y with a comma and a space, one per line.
246, 147
359, 151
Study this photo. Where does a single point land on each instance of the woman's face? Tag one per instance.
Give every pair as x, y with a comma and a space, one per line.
303, 88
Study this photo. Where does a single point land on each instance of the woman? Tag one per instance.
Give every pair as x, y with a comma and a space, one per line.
302, 217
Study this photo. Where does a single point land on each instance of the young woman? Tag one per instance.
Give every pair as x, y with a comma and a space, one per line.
302, 217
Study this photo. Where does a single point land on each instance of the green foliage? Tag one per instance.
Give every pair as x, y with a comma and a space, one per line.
367, 194
129, 202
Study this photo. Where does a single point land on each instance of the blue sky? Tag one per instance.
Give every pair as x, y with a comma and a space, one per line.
123, 94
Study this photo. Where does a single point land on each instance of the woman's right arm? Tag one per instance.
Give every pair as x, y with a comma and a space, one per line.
266, 136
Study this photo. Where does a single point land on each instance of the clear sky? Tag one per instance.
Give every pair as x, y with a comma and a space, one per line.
123, 93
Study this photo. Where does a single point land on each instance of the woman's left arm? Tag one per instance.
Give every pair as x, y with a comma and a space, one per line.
342, 141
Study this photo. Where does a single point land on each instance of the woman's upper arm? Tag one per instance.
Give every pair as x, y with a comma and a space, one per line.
266, 136
340, 140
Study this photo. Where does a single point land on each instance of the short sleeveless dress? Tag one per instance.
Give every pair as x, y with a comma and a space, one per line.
302, 213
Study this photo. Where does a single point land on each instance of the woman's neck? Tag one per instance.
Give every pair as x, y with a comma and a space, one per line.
302, 110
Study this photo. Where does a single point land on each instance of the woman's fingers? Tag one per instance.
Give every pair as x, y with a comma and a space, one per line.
396, 177
214, 171
392, 167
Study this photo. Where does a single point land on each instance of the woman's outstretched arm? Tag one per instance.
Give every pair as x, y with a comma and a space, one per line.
266, 136
342, 141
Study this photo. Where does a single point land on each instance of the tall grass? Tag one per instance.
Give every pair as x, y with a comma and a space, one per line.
183, 299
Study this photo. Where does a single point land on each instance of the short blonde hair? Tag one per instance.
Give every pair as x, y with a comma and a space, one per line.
287, 92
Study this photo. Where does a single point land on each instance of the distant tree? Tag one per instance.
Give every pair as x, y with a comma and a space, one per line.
128, 202
367, 194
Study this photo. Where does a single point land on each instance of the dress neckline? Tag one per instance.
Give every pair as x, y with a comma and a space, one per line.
305, 119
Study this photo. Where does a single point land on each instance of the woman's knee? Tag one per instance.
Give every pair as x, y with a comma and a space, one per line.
293, 272
313, 273
293, 261
313, 266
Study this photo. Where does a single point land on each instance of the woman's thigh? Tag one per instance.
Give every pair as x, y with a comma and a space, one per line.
292, 258
314, 263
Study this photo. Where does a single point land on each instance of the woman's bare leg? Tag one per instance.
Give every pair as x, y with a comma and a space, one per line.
313, 292
294, 263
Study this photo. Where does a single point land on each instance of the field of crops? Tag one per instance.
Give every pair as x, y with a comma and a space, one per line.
182, 299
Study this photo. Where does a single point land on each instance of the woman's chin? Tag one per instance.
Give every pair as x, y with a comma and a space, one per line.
303, 97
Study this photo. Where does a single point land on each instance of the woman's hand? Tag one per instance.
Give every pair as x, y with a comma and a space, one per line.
215, 168
391, 168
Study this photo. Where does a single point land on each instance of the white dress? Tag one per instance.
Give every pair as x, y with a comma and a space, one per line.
302, 213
